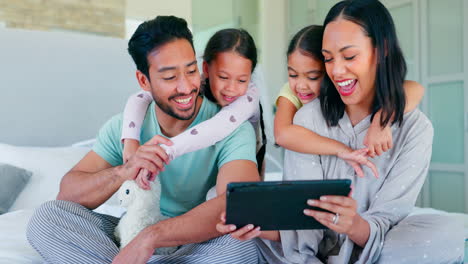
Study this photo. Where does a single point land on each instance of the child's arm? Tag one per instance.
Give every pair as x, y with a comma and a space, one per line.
208, 132
211, 131
414, 94
133, 116
286, 135
379, 139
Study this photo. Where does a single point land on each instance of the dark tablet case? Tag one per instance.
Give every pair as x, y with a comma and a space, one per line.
278, 205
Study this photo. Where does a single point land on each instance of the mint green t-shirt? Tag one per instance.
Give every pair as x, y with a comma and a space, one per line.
187, 179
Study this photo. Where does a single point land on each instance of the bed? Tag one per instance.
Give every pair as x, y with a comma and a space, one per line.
48, 165
82, 81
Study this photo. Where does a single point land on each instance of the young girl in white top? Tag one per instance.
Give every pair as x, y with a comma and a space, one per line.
228, 62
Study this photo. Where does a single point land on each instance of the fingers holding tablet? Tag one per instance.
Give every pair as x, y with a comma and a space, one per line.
244, 233
278, 205
341, 215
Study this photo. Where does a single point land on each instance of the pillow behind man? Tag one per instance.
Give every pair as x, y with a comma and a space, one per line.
13, 180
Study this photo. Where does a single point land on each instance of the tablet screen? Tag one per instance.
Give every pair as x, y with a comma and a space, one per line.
279, 205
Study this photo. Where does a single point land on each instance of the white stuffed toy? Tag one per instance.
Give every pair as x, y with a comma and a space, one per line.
143, 210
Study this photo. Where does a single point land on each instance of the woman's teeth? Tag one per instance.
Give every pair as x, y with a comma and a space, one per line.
346, 88
345, 83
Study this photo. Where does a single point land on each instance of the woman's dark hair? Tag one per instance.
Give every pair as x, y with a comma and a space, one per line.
309, 42
239, 41
154, 33
378, 25
225, 40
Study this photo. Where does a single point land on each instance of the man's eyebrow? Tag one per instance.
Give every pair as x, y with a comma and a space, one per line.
191, 63
169, 68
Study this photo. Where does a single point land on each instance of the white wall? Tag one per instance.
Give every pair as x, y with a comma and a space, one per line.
273, 43
148, 9
138, 11
57, 88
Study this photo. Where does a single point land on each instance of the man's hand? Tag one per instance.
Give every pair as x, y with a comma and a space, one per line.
149, 156
137, 251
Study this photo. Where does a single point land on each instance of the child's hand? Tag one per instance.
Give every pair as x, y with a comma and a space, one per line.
130, 148
378, 140
143, 178
356, 158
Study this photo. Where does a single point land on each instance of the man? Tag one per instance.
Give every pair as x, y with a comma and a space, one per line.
67, 230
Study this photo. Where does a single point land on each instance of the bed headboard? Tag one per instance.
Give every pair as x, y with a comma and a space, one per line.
57, 88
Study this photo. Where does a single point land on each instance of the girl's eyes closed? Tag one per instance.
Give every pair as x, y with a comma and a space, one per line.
310, 78
223, 77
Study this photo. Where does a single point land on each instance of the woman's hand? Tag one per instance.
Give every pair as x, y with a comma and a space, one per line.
378, 140
342, 207
343, 218
356, 158
130, 148
245, 233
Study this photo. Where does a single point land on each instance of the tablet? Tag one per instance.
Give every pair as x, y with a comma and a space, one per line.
279, 205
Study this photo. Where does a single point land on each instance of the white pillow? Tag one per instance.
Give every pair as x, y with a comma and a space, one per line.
48, 166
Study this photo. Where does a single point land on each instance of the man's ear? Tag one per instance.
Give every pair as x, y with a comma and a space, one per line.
205, 69
143, 81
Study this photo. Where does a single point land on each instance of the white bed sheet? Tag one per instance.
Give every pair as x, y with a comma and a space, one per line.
14, 247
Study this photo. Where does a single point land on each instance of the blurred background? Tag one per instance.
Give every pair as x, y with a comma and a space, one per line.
42, 40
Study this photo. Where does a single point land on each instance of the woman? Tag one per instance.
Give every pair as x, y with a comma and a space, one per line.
365, 73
